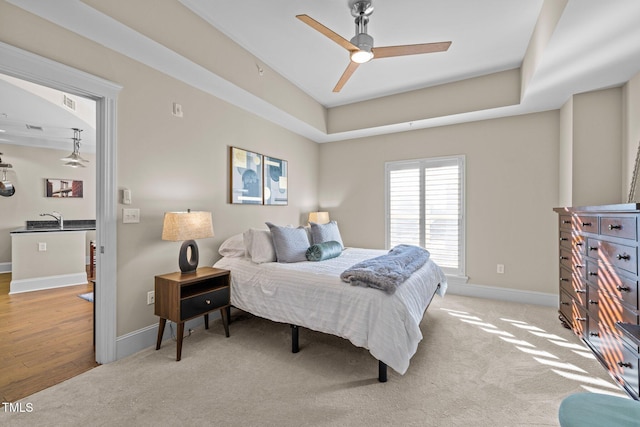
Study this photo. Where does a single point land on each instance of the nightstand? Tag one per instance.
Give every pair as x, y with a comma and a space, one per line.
181, 297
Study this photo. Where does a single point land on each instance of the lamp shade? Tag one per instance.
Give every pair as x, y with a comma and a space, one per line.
187, 226
319, 217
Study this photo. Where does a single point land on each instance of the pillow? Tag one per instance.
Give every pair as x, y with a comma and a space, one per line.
321, 233
259, 245
290, 243
232, 247
323, 251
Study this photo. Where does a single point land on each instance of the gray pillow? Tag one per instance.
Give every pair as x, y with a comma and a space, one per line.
321, 233
290, 243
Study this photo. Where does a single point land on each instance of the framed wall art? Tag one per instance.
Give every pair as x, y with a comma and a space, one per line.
63, 188
246, 169
275, 181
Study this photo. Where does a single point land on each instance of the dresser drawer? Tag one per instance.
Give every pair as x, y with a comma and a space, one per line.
200, 304
566, 239
621, 256
565, 222
573, 285
593, 332
591, 272
586, 224
621, 360
612, 311
593, 302
624, 227
619, 286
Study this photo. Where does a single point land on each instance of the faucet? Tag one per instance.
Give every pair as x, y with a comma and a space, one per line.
57, 216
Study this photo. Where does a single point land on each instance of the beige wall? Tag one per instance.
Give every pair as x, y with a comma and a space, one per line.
511, 189
31, 166
167, 162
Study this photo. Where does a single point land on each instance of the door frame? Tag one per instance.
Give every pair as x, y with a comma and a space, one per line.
25, 65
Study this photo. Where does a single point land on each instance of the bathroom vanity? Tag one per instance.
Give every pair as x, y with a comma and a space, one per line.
45, 256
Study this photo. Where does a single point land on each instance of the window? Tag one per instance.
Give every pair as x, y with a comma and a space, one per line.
425, 207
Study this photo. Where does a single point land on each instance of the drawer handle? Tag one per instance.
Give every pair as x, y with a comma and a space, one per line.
625, 365
615, 227
208, 302
579, 266
580, 291
593, 302
593, 248
593, 273
563, 239
623, 257
581, 319
594, 334
586, 224
564, 257
562, 279
579, 243
623, 288
565, 303
566, 221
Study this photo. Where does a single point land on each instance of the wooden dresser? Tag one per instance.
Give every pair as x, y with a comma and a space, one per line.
599, 284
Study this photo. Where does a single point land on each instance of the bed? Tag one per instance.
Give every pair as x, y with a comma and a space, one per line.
312, 295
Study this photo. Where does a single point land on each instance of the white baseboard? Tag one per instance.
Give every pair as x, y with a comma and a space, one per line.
135, 341
503, 294
48, 282
5, 267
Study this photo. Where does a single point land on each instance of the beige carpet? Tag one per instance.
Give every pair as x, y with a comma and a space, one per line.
481, 363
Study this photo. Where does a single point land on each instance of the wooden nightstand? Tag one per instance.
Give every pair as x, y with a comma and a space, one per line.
181, 297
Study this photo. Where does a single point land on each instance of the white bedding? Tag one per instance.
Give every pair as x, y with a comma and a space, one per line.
311, 294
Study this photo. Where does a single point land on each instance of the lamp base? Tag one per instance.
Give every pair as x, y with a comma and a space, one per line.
188, 264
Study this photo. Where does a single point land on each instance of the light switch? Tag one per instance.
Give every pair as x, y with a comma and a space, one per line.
130, 216
42, 246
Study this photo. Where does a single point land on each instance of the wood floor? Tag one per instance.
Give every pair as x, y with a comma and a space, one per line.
46, 337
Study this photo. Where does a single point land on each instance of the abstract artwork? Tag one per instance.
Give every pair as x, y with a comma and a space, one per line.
246, 177
275, 181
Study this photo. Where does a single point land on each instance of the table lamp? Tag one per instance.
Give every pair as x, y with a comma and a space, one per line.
319, 217
187, 226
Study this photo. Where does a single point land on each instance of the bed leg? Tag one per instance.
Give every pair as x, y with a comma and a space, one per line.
294, 339
382, 372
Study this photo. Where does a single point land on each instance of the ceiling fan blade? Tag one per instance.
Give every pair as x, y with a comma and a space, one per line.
409, 49
346, 75
327, 32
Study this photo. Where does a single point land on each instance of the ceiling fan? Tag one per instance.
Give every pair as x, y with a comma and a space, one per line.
360, 47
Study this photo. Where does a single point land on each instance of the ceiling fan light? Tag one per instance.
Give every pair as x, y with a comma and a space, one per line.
361, 56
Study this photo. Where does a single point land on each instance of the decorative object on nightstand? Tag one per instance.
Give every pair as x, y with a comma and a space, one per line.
319, 217
187, 226
181, 297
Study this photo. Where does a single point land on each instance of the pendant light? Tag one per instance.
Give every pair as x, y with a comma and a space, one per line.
74, 159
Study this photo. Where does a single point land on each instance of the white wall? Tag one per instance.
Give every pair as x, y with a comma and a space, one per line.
511, 189
31, 166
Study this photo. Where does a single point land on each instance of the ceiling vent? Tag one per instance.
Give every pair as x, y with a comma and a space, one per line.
34, 127
69, 103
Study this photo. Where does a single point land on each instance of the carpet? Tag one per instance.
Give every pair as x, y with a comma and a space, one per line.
481, 363
88, 296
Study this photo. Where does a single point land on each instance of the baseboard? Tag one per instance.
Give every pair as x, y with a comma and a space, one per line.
5, 267
135, 341
503, 294
48, 282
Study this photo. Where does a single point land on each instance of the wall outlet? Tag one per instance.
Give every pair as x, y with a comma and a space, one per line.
42, 246
151, 297
500, 269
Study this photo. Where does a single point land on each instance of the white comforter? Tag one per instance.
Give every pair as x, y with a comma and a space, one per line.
311, 294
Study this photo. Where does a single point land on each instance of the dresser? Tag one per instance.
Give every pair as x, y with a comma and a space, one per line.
598, 255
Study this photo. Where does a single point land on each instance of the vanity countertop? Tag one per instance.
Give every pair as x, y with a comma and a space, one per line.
52, 226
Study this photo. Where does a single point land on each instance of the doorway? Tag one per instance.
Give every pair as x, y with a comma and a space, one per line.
37, 69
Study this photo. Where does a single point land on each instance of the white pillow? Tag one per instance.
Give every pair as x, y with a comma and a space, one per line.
321, 233
232, 247
291, 244
259, 245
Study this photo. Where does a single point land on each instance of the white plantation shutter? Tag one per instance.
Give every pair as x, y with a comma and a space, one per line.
425, 208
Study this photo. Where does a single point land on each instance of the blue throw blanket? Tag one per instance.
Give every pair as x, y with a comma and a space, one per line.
388, 271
